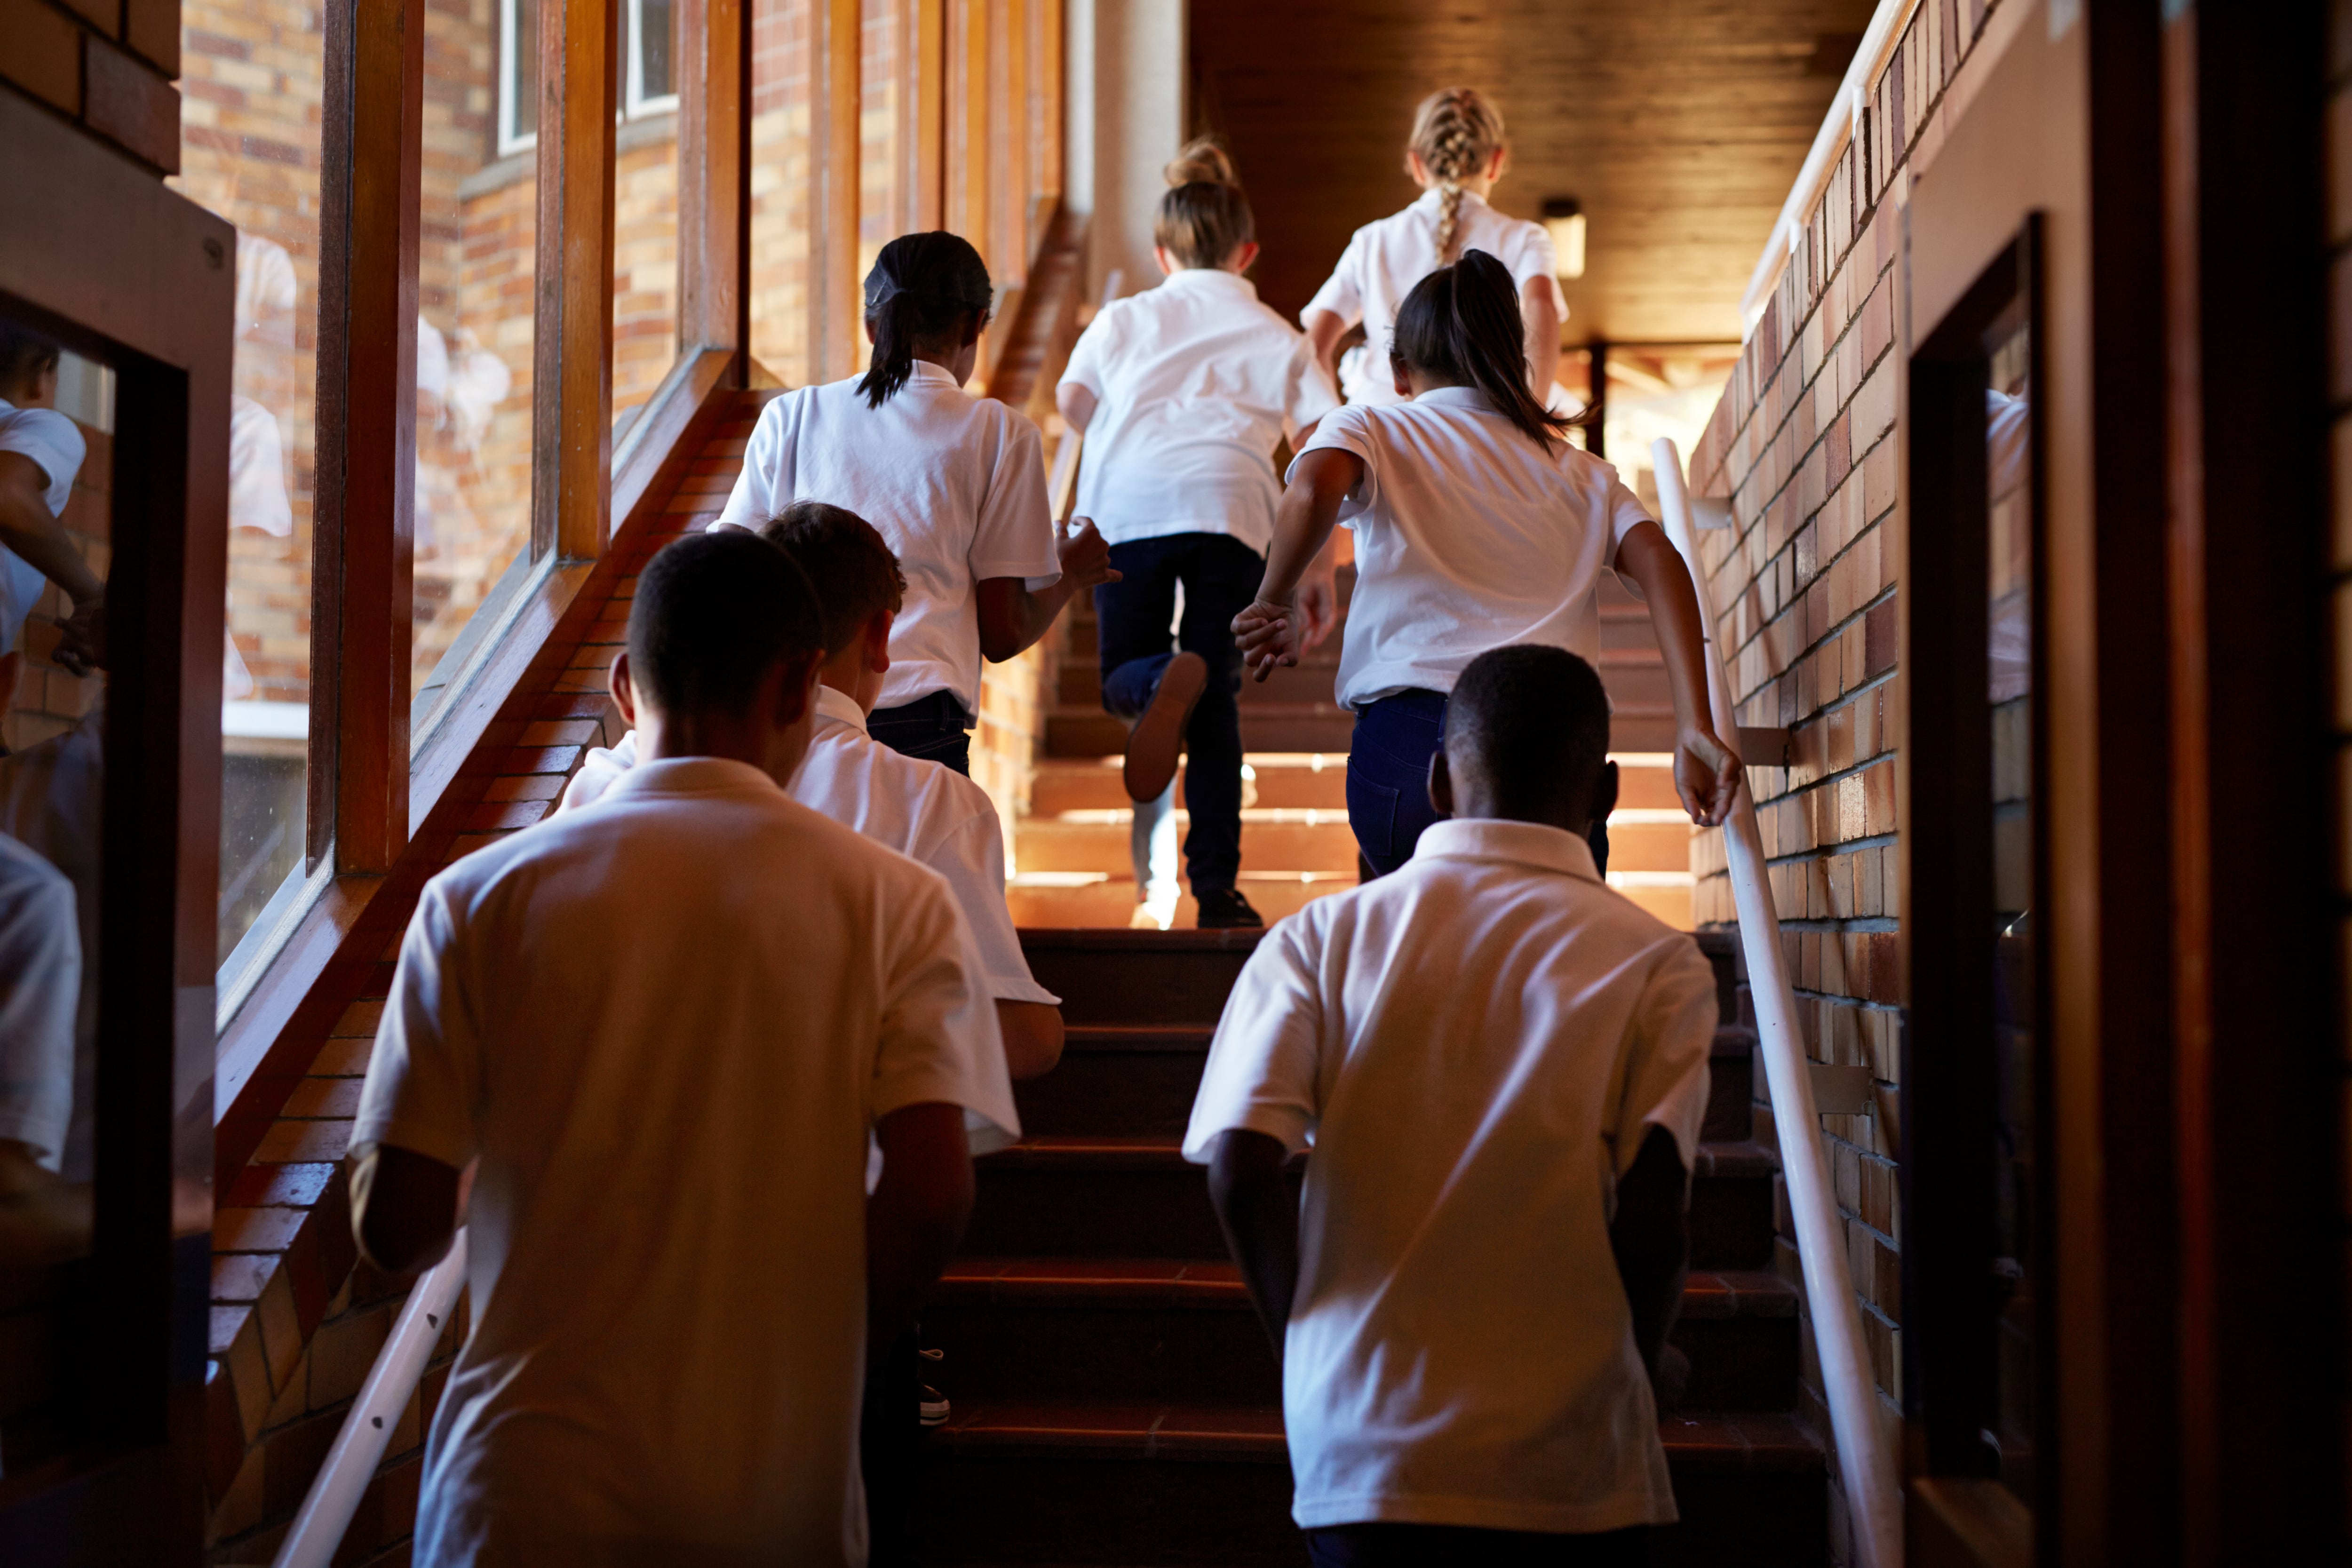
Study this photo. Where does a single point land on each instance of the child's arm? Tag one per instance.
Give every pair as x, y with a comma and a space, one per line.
1539, 305
1032, 1034
915, 1217
1075, 405
32, 531
1012, 617
1650, 1237
1707, 771
1324, 330
404, 1208
1260, 1219
1271, 632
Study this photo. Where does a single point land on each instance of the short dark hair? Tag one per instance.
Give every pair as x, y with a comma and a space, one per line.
1536, 720
25, 353
1463, 323
848, 562
713, 613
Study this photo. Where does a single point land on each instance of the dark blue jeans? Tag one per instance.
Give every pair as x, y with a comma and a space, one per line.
1388, 776
932, 728
1221, 576
1387, 1545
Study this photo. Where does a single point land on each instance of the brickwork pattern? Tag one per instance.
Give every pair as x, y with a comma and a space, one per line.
1804, 593
107, 65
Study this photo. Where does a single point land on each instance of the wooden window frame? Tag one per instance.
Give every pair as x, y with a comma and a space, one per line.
141, 279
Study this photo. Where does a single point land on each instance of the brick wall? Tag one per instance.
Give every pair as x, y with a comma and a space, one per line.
1803, 588
107, 65
780, 182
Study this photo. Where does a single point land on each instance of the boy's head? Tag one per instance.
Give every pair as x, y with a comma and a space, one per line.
1527, 737
724, 636
858, 590
28, 366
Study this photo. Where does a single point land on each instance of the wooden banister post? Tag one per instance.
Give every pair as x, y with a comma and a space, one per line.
714, 167
363, 555
833, 292
572, 360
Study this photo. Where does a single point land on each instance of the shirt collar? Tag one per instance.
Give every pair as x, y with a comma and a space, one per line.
1529, 844
840, 708
1468, 397
1210, 278
692, 776
924, 370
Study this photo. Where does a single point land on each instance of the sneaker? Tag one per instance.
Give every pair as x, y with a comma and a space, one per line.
1224, 908
931, 1406
1157, 743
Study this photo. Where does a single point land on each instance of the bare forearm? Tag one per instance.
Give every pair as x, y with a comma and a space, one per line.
1260, 1220
28, 527
1541, 308
1303, 525
1647, 558
1011, 627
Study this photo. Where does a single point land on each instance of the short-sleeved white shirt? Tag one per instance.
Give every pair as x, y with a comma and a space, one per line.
1475, 1047
1194, 383
1384, 259
55, 443
923, 810
1468, 536
668, 1074
955, 483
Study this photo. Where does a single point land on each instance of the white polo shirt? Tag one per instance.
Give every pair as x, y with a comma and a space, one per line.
668, 1074
1194, 383
55, 445
1468, 536
924, 811
1384, 259
955, 483
1475, 1045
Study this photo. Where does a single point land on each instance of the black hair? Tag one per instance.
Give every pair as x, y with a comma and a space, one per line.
1463, 323
25, 353
850, 565
713, 613
1536, 720
923, 294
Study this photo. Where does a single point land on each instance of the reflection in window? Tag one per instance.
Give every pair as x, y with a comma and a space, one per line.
2010, 586
56, 463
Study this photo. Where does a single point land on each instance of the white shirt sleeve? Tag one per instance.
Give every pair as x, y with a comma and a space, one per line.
40, 995
1342, 293
1665, 1065
1529, 253
1014, 535
424, 1076
600, 770
1308, 395
1264, 1066
1349, 429
763, 486
971, 855
939, 1041
1095, 348
1626, 511
55, 446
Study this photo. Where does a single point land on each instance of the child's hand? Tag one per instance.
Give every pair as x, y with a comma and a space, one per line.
1318, 606
1267, 634
1084, 555
81, 643
1706, 776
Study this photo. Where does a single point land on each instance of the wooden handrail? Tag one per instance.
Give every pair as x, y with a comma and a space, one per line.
1864, 1461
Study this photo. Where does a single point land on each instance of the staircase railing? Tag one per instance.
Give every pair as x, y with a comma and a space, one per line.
335, 1492
1865, 1463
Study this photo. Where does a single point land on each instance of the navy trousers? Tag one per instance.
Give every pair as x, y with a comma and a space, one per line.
932, 728
1220, 574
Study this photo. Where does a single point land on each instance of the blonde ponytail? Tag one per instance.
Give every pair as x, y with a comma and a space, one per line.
1454, 131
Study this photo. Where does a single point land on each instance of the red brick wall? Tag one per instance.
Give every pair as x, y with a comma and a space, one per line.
1803, 590
107, 65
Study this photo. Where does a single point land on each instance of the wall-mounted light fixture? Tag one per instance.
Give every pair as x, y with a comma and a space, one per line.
1565, 219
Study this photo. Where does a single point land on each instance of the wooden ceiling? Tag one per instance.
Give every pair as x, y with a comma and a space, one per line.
1678, 123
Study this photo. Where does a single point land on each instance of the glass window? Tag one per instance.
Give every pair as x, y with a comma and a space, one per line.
648, 66
518, 75
780, 188
652, 29
249, 150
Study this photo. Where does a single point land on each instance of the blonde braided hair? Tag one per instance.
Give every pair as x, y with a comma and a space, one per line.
1454, 131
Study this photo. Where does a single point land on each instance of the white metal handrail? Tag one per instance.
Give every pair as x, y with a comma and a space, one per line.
335, 1492
1864, 1462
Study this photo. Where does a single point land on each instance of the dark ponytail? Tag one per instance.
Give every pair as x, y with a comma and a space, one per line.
923, 293
1463, 323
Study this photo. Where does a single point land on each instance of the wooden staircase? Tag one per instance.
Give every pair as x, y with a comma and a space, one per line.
1113, 1398
1071, 855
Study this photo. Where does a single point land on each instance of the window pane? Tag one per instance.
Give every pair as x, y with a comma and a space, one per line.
881, 81
250, 148
779, 184
656, 29
644, 245
519, 46
51, 804
475, 271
